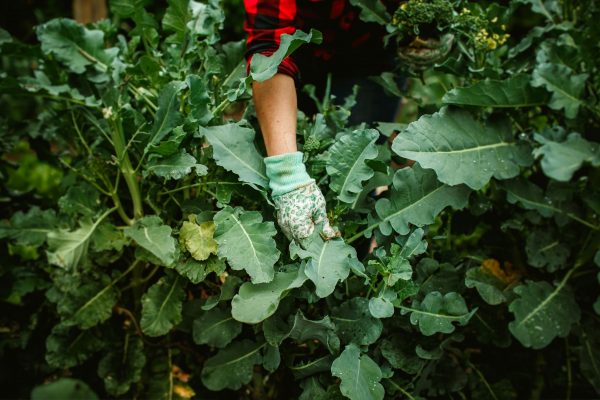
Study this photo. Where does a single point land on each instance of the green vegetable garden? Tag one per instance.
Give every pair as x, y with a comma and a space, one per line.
141, 256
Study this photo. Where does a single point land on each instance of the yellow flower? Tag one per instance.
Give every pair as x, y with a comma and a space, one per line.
494, 20
491, 43
403, 6
183, 391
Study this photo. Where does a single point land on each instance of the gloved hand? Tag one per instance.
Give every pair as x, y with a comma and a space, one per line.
298, 200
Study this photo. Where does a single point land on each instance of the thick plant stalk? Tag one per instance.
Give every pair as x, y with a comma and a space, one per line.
126, 168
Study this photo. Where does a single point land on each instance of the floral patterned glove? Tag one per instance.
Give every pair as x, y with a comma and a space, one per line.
298, 200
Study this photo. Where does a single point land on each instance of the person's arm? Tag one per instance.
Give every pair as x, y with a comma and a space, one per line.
299, 202
276, 109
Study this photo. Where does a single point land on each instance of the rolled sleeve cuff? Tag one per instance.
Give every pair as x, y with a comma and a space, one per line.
288, 66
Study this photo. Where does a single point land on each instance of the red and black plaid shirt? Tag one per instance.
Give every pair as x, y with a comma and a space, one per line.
349, 44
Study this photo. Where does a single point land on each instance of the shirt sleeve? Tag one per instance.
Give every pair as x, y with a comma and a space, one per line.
266, 21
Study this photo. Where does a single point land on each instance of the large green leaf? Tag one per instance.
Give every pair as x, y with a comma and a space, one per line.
490, 287
62, 389
67, 347
347, 166
90, 303
198, 238
234, 150
176, 166
247, 242
512, 92
29, 228
151, 234
81, 199
416, 199
67, 248
437, 312
360, 375
264, 67
530, 196
542, 312
216, 328
399, 351
313, 367
560, 160
108, 237
566, 87
167, 115
372, 11
176, 18
354, 323
199, 99
256, 302
74, 45
462, 150
327, 261
41, 82
122, 365
161, 305
232, 366
545, 249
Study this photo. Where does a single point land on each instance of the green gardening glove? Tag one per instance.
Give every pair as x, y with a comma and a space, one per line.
298, 200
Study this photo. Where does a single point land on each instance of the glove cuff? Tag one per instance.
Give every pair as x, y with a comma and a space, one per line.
286, 172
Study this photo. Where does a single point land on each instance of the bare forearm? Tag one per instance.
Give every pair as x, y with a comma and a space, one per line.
276, 109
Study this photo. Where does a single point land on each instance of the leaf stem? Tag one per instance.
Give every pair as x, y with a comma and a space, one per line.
61, 98
83, 142
93, 59
401, 389
197, 185
361, 233
137, 93
482, 378
220, 107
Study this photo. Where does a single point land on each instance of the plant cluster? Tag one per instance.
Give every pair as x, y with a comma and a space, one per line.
141, 256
